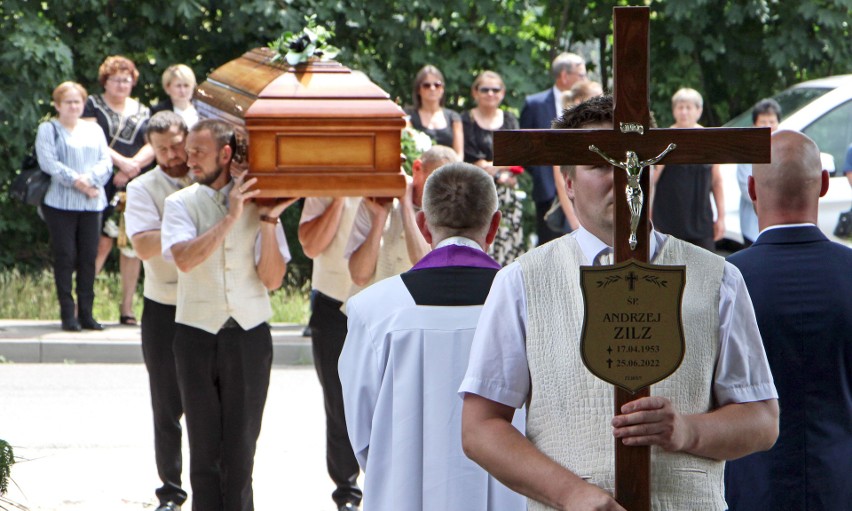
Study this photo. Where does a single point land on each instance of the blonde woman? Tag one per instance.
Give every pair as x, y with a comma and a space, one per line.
179, 84
76, 156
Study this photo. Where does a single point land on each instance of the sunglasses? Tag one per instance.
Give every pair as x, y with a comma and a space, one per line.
486, 90
431, 85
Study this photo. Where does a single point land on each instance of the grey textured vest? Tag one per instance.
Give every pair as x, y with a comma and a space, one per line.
570, 410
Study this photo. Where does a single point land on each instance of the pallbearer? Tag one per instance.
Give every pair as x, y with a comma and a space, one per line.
229, 252
146, 198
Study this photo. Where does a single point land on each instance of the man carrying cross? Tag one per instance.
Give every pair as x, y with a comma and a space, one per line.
720, 404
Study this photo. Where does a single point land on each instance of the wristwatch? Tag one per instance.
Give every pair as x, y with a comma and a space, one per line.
270, 219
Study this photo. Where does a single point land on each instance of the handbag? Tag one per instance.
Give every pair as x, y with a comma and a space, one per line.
844, 225
30, 186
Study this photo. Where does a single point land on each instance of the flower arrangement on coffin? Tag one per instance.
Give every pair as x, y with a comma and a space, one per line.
413, 143
312, 43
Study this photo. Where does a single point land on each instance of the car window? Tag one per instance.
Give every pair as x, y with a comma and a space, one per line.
790, 101
833, 132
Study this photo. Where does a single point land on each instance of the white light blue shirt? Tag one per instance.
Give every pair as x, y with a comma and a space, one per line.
66, 156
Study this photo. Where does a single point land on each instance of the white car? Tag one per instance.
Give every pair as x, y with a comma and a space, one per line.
822, 110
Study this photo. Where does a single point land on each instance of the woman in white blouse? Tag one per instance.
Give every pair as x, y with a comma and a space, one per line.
76, 156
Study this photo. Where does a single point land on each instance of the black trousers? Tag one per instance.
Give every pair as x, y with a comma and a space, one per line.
328, 331
544, 232
158, 334
223, 380
73, 245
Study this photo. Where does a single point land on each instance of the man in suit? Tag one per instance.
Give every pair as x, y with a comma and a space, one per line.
801, 286
406, 351
539, 111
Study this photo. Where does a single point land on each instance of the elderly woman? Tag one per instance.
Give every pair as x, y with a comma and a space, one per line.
179, 84
428, 113
479, 124
76, 156
122, 120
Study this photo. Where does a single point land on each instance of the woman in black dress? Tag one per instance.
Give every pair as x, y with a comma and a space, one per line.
123, 120
428, 113
479, 125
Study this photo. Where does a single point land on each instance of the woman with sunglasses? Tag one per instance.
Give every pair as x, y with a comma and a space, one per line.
428, 113
123, 120
479, 124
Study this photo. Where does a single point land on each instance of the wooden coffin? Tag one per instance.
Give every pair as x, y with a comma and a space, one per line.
316, 129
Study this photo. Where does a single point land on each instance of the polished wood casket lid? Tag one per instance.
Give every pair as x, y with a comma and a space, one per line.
316, 129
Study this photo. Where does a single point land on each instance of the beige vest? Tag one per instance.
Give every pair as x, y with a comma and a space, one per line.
331, 270
570, 410
393, 254
226, 283
160, 275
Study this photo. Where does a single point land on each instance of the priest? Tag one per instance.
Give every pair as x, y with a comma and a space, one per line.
406, 353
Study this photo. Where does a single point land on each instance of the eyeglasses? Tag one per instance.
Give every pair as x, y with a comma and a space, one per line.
486, 90
431, 85
121, 81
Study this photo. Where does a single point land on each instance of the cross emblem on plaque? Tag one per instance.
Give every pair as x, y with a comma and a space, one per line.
632, 139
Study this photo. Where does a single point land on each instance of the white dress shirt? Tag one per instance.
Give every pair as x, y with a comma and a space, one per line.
499, 370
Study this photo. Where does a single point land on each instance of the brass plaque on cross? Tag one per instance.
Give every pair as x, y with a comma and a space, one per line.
632, 330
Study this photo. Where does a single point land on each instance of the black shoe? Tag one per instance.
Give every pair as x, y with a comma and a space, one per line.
90, 324
71, 326
168, 506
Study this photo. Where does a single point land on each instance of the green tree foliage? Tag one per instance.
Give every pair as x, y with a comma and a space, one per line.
733, 51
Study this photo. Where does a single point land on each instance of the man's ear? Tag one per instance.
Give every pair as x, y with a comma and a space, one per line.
569, 186
493, 227
825, 180
420, 218
416, 166
752, 194
225, 155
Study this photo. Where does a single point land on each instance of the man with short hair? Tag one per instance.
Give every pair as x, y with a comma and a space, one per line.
385, 240
801, 286
143, 214
681, 199
765, 114
539, 111
230, 252
720, 403
406, 353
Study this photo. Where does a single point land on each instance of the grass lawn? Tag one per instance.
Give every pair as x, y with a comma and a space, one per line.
33, 296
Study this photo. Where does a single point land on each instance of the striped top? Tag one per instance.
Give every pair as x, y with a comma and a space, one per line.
65, 156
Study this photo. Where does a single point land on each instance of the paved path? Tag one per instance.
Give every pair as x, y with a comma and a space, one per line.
44, 341
86, 432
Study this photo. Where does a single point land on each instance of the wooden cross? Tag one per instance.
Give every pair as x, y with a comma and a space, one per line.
631, 132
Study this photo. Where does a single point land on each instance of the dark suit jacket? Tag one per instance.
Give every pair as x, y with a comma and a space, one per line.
801, 286
538, 112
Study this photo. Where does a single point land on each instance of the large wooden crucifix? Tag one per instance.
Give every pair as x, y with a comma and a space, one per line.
633, 139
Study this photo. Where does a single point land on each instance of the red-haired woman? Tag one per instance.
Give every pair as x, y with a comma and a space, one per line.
122, 120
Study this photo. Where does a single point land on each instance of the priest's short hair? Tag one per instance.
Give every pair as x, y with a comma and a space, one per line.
459, 199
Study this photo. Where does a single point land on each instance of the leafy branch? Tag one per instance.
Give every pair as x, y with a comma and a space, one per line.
653, 279
612, 279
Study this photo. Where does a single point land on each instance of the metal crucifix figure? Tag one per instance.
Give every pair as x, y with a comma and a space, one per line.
635, 197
